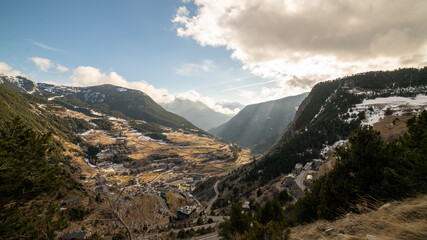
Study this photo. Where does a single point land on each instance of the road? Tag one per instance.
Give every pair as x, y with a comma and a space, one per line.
300, 179
209, 205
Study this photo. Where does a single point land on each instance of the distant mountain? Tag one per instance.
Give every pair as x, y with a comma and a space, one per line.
259, 126
334, 109
106, 99
232, 105
198, 113
366, 169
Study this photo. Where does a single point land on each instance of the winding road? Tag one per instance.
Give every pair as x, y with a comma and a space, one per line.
209, 205
300, 179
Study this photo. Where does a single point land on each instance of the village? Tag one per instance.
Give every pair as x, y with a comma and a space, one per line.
125, 164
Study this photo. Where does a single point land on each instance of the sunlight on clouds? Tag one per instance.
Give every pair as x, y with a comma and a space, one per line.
301, 42
90, 76
194, 96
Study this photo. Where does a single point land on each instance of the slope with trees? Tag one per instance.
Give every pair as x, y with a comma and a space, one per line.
259, 126
197, 113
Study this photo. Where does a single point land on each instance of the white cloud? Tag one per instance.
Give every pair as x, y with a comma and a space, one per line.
46, 46
194, 96
191, 69
61, 68
89, 76
7, 70
301, 42
43, 63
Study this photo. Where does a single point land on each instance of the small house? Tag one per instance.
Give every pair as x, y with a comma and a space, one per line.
290, 180
186, 213
317, 163
308, 181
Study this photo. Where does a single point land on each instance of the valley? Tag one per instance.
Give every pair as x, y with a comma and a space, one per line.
136, 171
127, 159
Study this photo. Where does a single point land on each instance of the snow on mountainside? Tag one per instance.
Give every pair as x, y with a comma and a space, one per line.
105, 99
376, 109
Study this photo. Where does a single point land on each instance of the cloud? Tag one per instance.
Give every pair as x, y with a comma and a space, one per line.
194, 96
7, 70
61, 68
191, 69
46, 46
298, 43
89, 76
43, 63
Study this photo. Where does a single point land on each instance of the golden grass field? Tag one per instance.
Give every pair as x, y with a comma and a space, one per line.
401, 220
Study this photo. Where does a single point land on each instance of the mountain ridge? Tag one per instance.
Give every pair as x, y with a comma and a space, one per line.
259, 126
107, 99
197, 113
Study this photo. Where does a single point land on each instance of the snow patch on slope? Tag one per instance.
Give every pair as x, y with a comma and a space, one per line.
327, 148
52, 98
375, 109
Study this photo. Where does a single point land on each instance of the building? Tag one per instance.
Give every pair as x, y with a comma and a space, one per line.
317, 163
186, 213
308, 182
298, 168
289, 180
307, 166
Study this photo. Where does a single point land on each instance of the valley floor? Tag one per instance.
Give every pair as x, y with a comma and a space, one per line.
397, 220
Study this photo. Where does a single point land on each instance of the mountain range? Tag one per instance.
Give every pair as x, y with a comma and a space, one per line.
331, 111
103, 99
198, 113
259, 126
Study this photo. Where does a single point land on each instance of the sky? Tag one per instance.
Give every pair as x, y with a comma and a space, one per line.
246, 51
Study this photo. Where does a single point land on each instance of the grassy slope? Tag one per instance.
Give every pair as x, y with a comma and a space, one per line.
402, 220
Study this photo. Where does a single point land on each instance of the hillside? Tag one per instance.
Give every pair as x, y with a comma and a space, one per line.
368, 173
330, 113
259, 126
97, 166
394, 220
106, 99
325, 119
197, 113
32, 182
